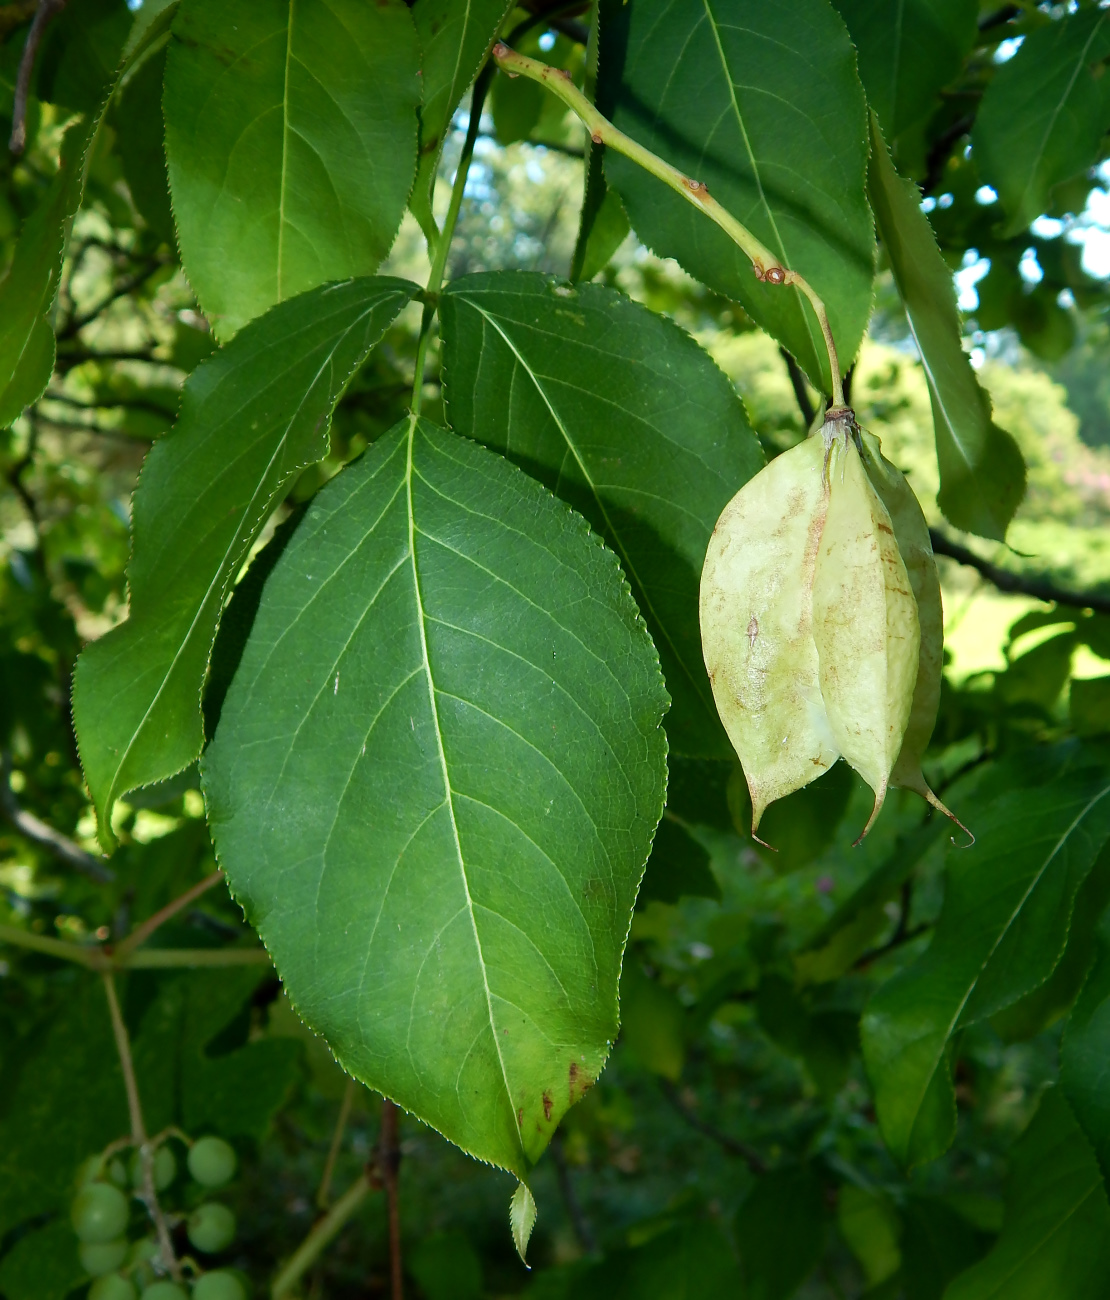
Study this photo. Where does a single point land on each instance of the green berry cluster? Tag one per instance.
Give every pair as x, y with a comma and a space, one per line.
102, 1216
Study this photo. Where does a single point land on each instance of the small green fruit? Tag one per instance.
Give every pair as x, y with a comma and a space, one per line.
165, 1169
117, 1173
100, 1257
212, 1161
211, 1227
112, 1287
164, 1291
99, 1212
219, 1285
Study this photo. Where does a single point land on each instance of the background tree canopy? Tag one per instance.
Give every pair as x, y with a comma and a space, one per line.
364, 419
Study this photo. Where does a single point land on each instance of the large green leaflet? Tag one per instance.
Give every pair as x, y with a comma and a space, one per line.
1003, 928
1044, 114
1055, 1238
1085, 1053
982, 474
760, 101
291, 141
253, 416
908, 50
455, 36
621, 414
434, 784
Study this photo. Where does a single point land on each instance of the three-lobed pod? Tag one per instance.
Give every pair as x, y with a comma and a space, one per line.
821, 620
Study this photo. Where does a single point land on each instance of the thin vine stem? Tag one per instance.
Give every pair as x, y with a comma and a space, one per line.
313, 1246
766, 265
142, 932
323, 1194
148, 1195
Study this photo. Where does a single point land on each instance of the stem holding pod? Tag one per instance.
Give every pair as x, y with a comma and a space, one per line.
765, 264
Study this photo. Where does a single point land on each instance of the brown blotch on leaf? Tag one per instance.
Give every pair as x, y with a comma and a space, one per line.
520, 1117
547, 1104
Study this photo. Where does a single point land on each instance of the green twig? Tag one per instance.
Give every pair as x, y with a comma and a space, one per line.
142, 932
323, 1194
766, 265
321, 1235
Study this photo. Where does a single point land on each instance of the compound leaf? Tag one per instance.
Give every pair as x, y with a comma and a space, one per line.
1055, 1237
1044, 114
626, 418
759, 101
1002, 930
253, 415
982, 474
434, 784
291, 140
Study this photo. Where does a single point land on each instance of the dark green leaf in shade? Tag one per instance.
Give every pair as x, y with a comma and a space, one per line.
824, 1040
619, 412
1007, 907
435, 782
651, 1023
455, 37
27, 290
252, 416
780, 1232
140, 132
908, 50
982, 474
80, 54
1041, 1008
1089, 705
446, 1266
678, 866
1085, 1054
1056, 1234
871, 1227
43, 1264
605, 235
291, 139
516, 103
691, 1259
759, 101
1044, 113
937, 1243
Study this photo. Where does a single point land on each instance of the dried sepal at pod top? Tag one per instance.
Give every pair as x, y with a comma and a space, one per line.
821, 620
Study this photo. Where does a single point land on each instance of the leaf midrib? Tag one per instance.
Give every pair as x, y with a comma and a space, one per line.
447, 787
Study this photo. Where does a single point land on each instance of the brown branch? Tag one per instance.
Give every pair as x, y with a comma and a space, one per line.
36, 830
389, 1164
1019, 584
734, 1146
142, 933
43, 14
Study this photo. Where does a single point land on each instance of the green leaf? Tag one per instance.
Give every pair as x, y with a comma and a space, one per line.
651, 1023
1044, 114
687, 1260
780, 1232
982, 474
434, 785
522, 1219
140, 131
455, 38
252, 416
762, 104
81, 52
27, 290
678, 866
908, 50
1056, 1235
291, 139
446, 1266
626, 418
1085, 1053
869, 1224
937, 1244
1007, 907
43, 1264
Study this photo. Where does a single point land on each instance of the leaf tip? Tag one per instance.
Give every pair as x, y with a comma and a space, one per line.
522, 1219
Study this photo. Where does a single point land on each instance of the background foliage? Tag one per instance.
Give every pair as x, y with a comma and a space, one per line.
840, 1072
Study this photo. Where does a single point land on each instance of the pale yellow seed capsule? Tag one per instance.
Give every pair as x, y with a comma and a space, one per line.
756, 626
912, 534
865, 622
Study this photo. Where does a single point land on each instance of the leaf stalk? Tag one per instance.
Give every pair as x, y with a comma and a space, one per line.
766, 265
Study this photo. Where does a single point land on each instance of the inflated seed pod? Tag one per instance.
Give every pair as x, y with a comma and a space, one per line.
756, 626
912, 534
865, 622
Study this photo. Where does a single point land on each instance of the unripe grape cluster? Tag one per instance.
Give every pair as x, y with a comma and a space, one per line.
116, 1245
